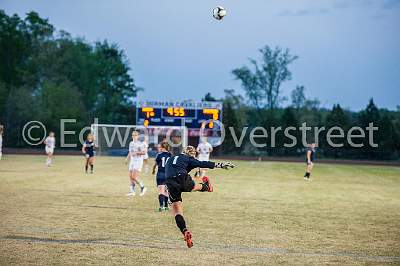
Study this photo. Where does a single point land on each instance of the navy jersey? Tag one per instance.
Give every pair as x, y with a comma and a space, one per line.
161, 160
312, 155
89, 147
182, 164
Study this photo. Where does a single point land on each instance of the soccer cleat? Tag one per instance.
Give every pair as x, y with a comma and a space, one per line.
187, 236
207, 182
131, 194
143, 191
160, 209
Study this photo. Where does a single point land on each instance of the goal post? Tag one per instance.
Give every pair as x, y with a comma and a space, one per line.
113, 140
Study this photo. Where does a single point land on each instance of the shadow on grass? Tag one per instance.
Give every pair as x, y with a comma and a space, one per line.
208, 248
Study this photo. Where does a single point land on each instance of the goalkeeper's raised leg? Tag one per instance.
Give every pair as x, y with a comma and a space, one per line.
178, 180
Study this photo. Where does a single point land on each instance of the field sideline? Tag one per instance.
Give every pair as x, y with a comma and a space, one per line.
260, 213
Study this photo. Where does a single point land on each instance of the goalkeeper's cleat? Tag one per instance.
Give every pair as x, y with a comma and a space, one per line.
187, 236
207, 183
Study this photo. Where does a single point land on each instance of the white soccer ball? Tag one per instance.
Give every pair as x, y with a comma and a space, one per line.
219, 12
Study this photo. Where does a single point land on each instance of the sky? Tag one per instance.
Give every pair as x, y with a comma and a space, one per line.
349, 50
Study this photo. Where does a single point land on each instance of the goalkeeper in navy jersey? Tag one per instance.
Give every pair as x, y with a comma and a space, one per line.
160, 161
178, 180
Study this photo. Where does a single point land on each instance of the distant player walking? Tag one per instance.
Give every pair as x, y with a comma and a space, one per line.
137, 150
88, 150
178, 180
310, 158
160, 161
50, 143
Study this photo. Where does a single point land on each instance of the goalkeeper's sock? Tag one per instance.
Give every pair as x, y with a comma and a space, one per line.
180, 222
165, 201
91, 168
86, 168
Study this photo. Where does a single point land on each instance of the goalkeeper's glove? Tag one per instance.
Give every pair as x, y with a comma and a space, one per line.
225, 165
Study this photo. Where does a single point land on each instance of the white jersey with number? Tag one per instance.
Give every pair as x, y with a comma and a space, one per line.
50, 144
136, 162
204, 150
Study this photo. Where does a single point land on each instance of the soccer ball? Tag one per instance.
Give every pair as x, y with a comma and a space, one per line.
219, 12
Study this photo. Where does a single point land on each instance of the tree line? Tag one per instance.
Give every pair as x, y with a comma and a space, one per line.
263, 105
46, 74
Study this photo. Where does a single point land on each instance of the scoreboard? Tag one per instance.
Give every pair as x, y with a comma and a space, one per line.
178, 113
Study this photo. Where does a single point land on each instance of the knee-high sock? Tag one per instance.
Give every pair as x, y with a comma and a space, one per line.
180, 222
165, 201
161, 200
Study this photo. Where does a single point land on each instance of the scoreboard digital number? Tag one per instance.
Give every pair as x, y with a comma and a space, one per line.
190, 114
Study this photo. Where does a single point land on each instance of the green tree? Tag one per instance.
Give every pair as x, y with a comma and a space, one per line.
370, 115
49, 75
298, 97
336, 118
232, 107
289, 119
209, 98
387, 138
116, 86
263, 84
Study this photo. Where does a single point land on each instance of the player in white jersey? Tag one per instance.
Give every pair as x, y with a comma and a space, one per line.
137, 150
204, 150
1, 140
50, 143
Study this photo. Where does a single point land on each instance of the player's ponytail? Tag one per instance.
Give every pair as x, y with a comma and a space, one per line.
165, 146
190, 151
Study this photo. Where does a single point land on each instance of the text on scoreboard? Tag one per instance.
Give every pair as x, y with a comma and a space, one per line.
170, 113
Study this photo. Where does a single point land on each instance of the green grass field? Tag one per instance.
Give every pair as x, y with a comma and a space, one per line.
260, 213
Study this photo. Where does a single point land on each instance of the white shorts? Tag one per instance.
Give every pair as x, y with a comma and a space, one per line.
49, 150
136, 164
204, 157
